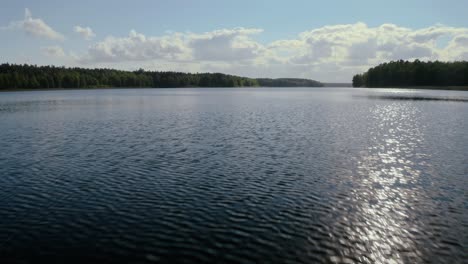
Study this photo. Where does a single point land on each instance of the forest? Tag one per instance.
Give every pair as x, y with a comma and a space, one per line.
34, 77
13, 76
412, 74
288, 82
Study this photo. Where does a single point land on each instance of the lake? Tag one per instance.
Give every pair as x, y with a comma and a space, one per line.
245, 175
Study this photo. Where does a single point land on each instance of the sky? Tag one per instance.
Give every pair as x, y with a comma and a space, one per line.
328, 41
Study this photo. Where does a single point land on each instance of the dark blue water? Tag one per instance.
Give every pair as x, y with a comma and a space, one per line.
234, 176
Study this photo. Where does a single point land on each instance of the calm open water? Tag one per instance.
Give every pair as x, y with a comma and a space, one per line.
234, 175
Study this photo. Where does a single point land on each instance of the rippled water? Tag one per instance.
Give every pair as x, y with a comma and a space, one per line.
234, 175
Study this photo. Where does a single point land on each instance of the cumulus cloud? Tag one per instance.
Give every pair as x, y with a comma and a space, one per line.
359, 53
53, 51
329, 53
35, 27
219, 45
354, 47
412, 51
226, 44
461, 40
136, 47
86, 32
433, 33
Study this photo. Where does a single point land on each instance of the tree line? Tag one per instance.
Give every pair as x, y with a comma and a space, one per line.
34, 77
13, 76
288, 82
417, 73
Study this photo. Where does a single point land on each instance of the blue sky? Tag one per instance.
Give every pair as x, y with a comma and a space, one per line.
324, 40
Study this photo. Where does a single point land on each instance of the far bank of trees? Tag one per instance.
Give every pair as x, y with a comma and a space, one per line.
288, 82
417, 73
25, 76
42, 77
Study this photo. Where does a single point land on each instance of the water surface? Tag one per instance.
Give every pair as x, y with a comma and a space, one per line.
250, 175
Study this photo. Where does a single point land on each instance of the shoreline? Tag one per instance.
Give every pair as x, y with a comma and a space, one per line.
435, 88
107, 88
129, 88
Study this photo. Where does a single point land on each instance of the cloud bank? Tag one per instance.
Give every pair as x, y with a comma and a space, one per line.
329, 53
322, 53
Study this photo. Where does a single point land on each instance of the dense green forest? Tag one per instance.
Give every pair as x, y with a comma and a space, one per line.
288, 82
409, 74
14, 76
33, 77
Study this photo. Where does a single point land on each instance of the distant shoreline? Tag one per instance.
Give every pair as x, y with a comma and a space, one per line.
440, 88
148, 88
436, 88
34, 77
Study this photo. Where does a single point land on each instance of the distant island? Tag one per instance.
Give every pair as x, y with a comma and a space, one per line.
13, 76
416, 74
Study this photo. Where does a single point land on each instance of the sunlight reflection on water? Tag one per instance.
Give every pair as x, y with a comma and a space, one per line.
386, 192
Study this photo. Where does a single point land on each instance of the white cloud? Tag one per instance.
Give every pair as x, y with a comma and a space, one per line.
86, 32
225, 45
219, 45
53, 51
412, 51
461, 40
432, 33
329, 53
359, 53
136, 47
35, 27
